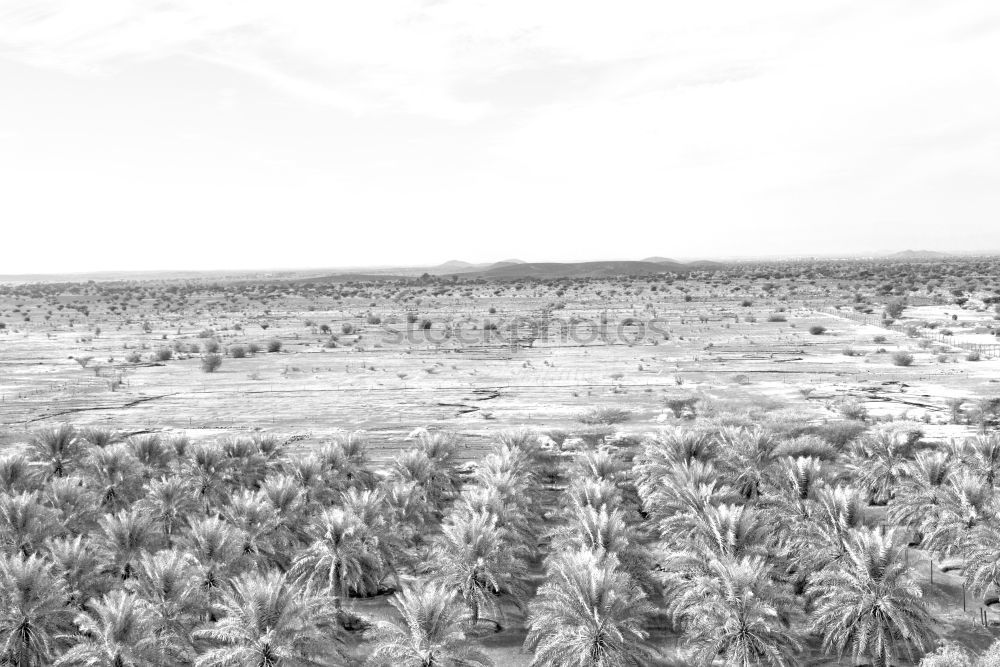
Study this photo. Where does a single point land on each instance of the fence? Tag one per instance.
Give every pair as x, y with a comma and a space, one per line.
985, 350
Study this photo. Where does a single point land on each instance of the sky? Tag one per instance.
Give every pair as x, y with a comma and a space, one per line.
232, 134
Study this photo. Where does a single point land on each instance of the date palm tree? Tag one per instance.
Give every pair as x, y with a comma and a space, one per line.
812, 544
284, 495
920, 491
378, 530
599, 464
32, 611
967, 502
217, 548
477, 558
748, 454
436, 477
589, 492
734, 609
981, 455
77, 505
338, 559
588, 612
154, 455
667, 449
868, 604
431, 633
510, 516
123, 538
346, 458
58, 450
168, 580
257, 522
116, 474
77, 563
170, 502
207, 467
115, 632
410, 510
17, 473
264, 620
877, 461
982, 558
607, 533
24, 523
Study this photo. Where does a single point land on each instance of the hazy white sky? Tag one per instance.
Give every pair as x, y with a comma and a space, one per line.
247, 133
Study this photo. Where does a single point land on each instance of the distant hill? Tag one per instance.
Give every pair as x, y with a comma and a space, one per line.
512, 261
661, 260
454, 265
919, 254
577, 269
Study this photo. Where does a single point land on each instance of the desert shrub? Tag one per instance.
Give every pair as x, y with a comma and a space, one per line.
853, 409
324, 328
878, 340
817, 330
902, 358
211, 362
163, 354
425, 324
605, 416
411, 318
808, 445
774, 317
347, 328
212, 346
746, 303
274, 345
973, 356
237, 352
206, 333
253, 348
374, 319
83, 360
194, 348
133, 357
850, 352
894, 309
330, 343
682, 406
948, 655
838, 433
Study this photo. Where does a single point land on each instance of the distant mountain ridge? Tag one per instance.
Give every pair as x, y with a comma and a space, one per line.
586, 269
919, 254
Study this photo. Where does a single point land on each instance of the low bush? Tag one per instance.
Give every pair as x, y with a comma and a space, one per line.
605, 416
774, 317
237, 352
274, 345
901, 358
211, 362
163, 354
212, 346
817, 330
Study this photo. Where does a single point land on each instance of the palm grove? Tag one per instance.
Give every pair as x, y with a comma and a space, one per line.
717, 540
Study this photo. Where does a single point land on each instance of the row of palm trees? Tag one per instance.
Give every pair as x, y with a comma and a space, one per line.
750, 548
